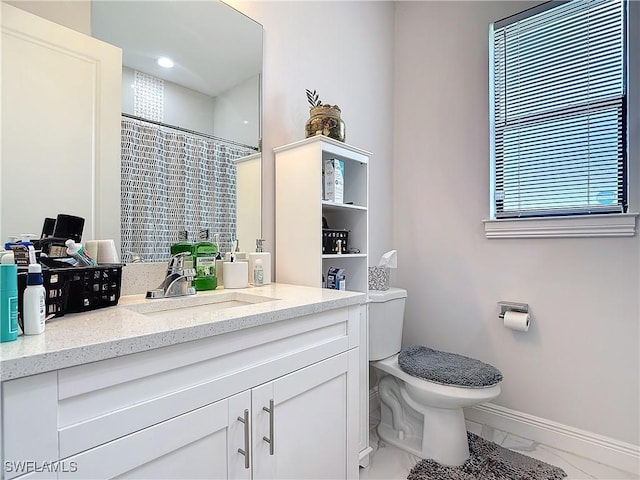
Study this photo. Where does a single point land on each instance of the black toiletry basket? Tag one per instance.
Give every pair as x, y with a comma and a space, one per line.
80, 289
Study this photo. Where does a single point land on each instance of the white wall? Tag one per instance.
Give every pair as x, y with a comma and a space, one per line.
236, 106
344, 51
578, 364
74, 14
183, 107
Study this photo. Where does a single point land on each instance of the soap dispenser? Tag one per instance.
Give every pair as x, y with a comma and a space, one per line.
266, 262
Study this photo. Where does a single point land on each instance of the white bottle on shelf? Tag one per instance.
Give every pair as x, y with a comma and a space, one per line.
265, 258
34, 302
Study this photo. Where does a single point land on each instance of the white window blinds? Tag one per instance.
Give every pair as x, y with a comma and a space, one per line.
558, 110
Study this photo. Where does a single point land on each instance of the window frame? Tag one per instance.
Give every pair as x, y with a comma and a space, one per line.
572, 225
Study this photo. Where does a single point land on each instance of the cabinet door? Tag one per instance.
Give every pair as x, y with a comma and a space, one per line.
301, 420
239, 443
192, 445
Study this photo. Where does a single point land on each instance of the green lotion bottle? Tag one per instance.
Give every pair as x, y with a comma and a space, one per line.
204, 254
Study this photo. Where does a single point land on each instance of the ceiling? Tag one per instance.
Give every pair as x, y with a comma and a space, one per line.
214, 47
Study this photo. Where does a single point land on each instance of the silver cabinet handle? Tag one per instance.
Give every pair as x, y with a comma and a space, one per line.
270, 439
245, 452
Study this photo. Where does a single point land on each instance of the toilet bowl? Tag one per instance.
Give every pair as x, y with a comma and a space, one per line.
420, 416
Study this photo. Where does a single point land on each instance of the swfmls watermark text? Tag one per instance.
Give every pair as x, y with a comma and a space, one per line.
30, 466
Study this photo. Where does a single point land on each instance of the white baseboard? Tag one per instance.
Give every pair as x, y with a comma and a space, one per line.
621, 455
609, 451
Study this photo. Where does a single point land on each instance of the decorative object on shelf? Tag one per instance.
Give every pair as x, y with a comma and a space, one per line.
334, 241
324, 119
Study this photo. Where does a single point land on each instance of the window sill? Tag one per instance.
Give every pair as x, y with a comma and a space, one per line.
611, 225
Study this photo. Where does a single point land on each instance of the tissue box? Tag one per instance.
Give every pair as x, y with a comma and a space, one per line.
336, 279
334, 180
379, 278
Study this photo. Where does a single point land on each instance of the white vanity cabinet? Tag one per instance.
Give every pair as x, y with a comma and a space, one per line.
185, 410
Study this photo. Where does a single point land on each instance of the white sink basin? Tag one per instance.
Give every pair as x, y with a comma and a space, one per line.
195, 304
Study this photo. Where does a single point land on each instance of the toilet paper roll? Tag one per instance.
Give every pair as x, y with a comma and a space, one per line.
517, 321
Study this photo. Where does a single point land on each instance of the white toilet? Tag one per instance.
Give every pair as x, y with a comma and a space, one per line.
421, 416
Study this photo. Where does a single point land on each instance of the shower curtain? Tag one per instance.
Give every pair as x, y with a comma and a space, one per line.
172, 181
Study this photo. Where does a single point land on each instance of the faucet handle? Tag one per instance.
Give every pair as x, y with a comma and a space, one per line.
176, 264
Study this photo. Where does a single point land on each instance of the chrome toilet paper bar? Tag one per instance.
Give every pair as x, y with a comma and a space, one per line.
512, 307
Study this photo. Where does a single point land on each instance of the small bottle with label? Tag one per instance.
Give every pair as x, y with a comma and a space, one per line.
204, 255
258, 273
34, 302
265, 258
8, 302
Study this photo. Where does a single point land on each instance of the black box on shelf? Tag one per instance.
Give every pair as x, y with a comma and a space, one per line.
330, 240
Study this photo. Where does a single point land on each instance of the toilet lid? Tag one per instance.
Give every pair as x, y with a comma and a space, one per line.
447, 368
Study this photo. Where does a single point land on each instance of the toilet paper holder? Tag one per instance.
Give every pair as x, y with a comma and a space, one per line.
512, 307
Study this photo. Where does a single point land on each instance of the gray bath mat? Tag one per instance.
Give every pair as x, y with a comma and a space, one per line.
447, 368
488, 461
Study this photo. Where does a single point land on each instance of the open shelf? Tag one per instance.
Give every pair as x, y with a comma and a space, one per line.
299, 183
327, 205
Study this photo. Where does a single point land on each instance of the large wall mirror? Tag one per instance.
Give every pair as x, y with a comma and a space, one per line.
208, 103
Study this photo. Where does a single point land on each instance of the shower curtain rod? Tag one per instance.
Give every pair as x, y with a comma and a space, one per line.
186, 130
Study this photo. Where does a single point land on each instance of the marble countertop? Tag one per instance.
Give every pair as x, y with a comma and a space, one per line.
137, 324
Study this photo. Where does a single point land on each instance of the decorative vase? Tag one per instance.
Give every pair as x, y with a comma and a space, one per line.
325, 120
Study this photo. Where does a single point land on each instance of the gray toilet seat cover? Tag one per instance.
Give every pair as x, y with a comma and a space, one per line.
447, 368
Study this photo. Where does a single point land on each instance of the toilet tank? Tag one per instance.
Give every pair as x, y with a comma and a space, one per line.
386, 316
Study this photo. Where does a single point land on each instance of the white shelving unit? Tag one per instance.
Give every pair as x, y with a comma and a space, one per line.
300, 208
299, 212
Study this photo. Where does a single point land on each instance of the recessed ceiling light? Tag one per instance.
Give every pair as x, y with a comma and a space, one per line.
165, 62
246, 122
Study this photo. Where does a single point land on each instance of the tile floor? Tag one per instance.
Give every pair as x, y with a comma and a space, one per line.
390, 463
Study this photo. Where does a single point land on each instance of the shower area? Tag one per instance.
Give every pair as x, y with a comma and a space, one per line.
173, 178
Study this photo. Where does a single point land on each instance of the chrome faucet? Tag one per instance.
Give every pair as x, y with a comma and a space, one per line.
177, 281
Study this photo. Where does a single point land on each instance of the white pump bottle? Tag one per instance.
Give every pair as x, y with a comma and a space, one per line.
34, 302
